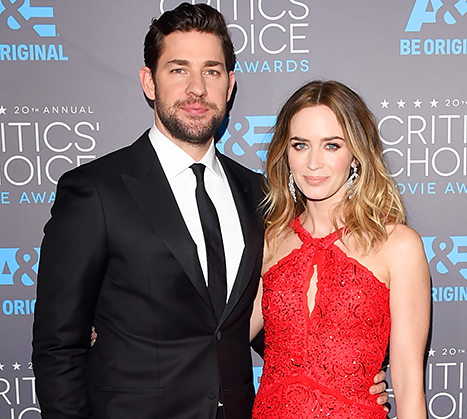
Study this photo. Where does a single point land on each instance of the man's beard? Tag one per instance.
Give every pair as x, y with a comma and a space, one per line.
198, 129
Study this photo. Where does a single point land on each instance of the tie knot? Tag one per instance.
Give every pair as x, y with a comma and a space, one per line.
198, 170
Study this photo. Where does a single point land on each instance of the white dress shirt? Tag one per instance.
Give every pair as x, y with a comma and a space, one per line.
176, 165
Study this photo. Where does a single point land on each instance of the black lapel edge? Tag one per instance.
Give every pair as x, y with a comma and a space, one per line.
151, 191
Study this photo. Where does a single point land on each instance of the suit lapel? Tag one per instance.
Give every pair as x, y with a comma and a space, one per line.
150, 189
246, 205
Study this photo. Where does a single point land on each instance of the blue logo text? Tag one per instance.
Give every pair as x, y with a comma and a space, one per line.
427, 11
20, 14
19, 266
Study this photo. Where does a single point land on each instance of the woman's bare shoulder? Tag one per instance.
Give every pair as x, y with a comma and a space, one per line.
402, 239
406, 256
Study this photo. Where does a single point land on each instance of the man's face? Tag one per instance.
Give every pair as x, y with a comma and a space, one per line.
192, 87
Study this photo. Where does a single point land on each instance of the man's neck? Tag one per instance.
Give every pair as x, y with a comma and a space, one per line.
196, 151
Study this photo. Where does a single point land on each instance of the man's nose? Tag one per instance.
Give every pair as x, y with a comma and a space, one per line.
196, 85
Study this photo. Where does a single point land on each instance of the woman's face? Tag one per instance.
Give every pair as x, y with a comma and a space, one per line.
318, 154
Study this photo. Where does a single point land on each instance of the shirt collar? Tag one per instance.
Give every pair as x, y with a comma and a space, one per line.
175, 161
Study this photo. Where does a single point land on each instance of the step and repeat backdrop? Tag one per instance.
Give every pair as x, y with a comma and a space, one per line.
69, 93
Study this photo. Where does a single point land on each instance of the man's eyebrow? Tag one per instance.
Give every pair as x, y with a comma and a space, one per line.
209, 63
213, 63
177, 61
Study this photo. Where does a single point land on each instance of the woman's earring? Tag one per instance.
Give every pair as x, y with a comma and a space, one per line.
350, 181
292, 188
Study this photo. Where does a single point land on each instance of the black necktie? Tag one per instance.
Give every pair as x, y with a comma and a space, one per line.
217, 283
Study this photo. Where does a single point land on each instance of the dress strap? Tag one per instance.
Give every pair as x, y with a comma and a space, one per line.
305, 236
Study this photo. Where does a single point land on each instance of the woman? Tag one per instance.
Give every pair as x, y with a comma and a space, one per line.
342, 271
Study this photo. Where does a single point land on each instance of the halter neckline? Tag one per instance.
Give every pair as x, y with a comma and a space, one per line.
305, 235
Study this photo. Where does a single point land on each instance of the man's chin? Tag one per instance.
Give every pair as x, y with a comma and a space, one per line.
196, 138
198, 133
193, 129
192, 133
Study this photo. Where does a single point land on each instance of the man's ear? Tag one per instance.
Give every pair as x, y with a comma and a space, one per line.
231, 84
147, 82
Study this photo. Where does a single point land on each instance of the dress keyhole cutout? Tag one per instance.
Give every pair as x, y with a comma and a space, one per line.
312, 290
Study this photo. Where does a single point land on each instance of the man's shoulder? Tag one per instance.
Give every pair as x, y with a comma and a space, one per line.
115, 161
239, 168
243, 177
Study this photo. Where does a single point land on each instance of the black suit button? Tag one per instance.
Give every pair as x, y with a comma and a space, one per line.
212, 394
218, 335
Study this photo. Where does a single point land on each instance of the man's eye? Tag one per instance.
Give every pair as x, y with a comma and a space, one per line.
212, 72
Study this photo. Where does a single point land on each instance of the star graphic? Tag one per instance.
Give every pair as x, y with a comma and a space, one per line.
418, 103
16, 366
1, 366
384, 104
434, 103
431, 352
401, 104
2, 110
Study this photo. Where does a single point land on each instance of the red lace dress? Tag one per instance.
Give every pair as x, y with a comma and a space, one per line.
322, 364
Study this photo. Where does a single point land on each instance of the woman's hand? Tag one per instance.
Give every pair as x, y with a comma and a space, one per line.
380, 387
93, 336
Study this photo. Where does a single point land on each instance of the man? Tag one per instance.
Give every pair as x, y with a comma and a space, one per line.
125, 251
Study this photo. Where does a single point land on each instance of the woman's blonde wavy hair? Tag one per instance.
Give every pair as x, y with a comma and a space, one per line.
375, 202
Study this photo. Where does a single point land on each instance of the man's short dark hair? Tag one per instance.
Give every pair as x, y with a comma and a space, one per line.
185, 18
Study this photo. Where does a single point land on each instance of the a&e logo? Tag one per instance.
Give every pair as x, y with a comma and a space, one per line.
246, 140
447, 256
19, 266
433, 11
17, 14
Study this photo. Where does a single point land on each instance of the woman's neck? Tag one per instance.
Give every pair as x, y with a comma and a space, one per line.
318, 218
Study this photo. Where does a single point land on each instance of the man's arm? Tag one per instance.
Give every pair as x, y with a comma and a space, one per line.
72, 264
258, 343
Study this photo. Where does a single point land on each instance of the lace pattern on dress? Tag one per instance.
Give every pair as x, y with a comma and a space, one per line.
321, 364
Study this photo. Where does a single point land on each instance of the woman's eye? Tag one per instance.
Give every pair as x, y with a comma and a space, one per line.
332, 146
299, 146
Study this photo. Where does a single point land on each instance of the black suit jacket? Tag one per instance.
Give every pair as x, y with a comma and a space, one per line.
117, 254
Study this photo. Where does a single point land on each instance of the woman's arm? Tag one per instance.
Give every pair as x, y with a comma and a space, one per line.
410, 320
256, 319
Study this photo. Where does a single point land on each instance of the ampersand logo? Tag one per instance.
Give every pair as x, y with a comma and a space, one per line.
452, 11
20, 14
447, 255
246, 140
11, 15
448, 12
19, 266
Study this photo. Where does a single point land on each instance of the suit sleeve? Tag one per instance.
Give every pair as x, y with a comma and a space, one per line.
72, 264
258, 342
